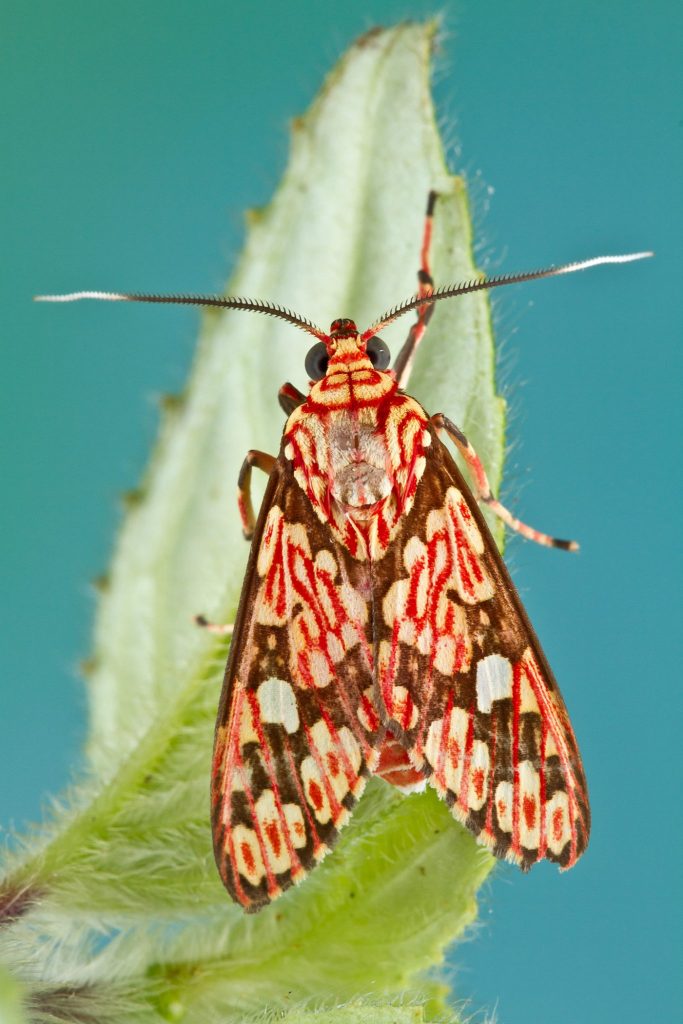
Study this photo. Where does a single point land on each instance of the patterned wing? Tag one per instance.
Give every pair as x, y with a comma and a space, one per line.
464, 685
297, 732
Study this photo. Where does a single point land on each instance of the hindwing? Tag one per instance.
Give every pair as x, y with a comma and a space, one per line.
463, 684
297, 732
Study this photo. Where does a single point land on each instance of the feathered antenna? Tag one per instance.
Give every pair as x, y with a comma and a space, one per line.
450, 291
417, 301
252, 305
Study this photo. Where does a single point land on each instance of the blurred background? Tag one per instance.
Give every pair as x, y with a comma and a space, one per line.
135, 136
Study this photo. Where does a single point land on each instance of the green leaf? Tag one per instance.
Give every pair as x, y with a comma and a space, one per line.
116, 899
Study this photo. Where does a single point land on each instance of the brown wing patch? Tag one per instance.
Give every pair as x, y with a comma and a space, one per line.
297, 730
464, 685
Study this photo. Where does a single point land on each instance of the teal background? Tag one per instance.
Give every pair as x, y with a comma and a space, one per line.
134, 137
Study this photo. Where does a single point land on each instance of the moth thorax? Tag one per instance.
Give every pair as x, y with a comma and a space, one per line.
359, 459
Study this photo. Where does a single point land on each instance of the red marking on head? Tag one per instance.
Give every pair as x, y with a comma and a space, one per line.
273, 834
343, 329
529, 810
248, 857
558, 824
315, 795
333, 763
478, 782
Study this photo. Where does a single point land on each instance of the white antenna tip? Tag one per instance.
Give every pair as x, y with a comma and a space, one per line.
77, 296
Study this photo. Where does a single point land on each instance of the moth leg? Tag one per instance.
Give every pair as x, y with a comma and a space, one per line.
219, 628
264, 462
404, 360
290, 398
483, 488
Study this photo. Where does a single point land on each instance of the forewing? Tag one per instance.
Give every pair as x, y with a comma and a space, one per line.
463, 683
296, 733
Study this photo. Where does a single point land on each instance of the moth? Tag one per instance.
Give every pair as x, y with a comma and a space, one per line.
378, 630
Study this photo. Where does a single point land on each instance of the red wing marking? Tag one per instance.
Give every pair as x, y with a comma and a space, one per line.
463, 684
297, 730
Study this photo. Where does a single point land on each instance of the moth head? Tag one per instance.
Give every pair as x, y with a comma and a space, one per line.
345, 348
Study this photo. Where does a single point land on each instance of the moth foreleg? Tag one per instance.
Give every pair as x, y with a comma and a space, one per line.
290, 398
219, 628
404, 360
264, 462
483, 488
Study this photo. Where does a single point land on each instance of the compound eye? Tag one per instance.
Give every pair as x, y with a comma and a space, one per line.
316, 361
378, 353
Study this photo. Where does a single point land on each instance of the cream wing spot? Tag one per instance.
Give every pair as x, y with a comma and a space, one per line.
271, 533
503, 802
295, 825
247, 854
530, 806
403, 709
277, 703
319, 667
527, 697
455, 748
270, 827
479, 775
314, 788
340, 756
335, 647
433, 742
247, 728
352, 748
445, 748
494, 681
558, 824
445, 651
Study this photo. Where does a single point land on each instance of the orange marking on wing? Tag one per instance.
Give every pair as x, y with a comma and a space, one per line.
550, 716
558, 824
467, 759
273, 836
492, 776
264, 746
515, 758
315, 794
443, 741
247, 857
542, 839
318, 845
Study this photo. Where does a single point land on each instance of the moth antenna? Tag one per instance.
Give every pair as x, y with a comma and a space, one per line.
450, 291
223, 302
